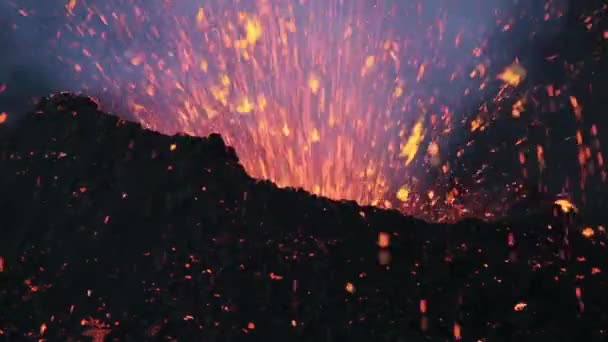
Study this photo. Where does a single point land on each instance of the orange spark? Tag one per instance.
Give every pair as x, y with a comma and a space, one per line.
457, 331
566, 206
588, 232
410, 148
350, 288
513, 75
520, 306
384, 240
423, 306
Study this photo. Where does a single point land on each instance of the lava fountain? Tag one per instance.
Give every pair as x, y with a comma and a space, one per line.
373, 101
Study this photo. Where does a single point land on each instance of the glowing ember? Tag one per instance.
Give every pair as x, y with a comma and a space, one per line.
566, 206
588, 232
384, 240
423, 306
457, 331
520, 306
513, 75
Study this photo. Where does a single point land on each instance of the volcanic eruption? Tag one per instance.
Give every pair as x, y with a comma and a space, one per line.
440, 109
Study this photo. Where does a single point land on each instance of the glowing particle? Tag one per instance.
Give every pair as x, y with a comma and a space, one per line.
410, 149
225, 80
397, 92
511, 239
433, 149
457, 331
513, 75
313, 83
137, 60
588, 232
350, 288
384, 240
70, 6
286, 130
204, 66
2, 263
423, 306
262, 103
403, 194
254, 31
3, 117
173, 147
576, 106
200, 16
520, 306
566, 206
293, 323
421, 71
250, 325
314, 135
518, 108
370, 61
476, 124
43, 328
275, 276
244, 106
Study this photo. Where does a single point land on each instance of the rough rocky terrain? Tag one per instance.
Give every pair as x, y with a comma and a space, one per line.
112, 232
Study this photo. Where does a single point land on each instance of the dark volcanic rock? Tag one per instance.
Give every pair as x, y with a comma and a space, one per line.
108, 228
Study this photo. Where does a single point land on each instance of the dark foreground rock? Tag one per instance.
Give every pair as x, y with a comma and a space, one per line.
111, 230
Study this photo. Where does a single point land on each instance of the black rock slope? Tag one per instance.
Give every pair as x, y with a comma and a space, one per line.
111, 230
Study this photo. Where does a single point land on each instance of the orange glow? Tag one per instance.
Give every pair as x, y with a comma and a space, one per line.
384, 240
588, 232
520, 306
350, 288
513, 75
274, 276
423, 307
566, 206
457, 331
3, 117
